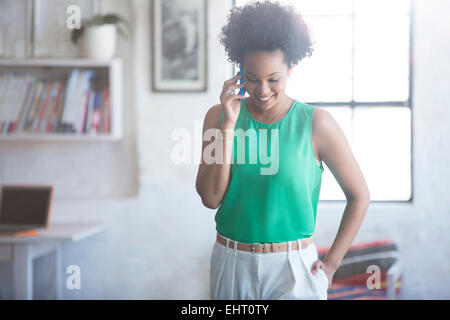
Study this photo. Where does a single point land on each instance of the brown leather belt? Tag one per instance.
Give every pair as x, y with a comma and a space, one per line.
265, 247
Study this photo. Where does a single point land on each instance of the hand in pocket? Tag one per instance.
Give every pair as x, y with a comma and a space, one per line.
329, 271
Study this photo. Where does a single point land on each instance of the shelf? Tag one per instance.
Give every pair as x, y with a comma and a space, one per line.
111, 70
72, 62
62, 137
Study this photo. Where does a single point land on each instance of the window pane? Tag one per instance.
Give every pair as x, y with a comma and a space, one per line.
391, 34
382, 84
381, 59
326, 75
323, 7
382, 6
315, 7
330, 189
382, 147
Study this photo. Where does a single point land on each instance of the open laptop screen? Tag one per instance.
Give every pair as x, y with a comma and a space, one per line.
25, 205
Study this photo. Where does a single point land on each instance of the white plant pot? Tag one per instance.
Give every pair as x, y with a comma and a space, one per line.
99, 42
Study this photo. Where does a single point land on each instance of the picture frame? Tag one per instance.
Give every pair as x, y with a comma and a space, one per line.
179, 45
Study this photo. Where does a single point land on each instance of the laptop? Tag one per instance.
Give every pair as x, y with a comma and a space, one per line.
25, 209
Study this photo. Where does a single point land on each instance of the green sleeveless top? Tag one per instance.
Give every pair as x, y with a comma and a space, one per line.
274, 179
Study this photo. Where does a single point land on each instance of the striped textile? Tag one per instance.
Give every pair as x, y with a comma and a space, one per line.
343, 292
350, 282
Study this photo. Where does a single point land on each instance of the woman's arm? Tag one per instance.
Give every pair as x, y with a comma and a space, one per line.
334, 150
213, 179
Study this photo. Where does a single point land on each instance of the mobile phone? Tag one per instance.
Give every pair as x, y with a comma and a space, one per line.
241, 81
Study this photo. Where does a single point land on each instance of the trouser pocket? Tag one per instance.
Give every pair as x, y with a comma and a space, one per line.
324, 277
305, 285
318, 282
218, 257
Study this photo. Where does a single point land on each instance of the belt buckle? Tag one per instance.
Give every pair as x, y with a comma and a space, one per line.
253, 247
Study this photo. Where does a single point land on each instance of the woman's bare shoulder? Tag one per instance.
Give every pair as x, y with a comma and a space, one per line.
323, 128
322, 121
212, 117
215, 109
327, 134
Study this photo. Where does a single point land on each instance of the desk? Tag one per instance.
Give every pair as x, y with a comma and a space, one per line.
23, 250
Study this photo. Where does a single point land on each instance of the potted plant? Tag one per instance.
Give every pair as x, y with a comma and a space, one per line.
97, 37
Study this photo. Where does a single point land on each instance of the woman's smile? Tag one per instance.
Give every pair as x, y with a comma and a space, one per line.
266, 99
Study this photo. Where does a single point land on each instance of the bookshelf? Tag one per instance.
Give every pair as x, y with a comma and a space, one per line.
106, 73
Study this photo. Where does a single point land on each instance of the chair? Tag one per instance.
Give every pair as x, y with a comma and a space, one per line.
368, 271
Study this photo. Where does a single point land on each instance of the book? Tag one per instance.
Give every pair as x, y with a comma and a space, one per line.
67, 116
41, 100
85, 110
7, 103
73, 116
51, 106
26, 107
107, 114
96, 114
43, 109
34, 105
4, 101
23, 105
102, 111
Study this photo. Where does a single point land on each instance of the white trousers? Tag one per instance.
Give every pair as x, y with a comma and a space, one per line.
242, 275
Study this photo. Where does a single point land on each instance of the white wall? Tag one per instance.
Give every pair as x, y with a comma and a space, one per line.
157, 245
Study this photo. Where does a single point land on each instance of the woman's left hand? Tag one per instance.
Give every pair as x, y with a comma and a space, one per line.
329, 270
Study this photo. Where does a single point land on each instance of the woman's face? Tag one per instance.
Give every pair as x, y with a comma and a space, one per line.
265, 75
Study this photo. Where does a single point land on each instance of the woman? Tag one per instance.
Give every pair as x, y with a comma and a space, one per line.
265, 222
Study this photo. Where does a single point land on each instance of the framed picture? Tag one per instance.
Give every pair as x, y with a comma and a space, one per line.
179, 45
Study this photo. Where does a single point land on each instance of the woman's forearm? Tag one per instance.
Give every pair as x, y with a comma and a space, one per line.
354, 213
213, 179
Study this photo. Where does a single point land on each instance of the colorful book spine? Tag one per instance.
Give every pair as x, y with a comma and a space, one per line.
9, 103
85, 88
4, 100
44, 108
90, 109
24, 104
33, 107
96, 114
102, 111
85, 110
107, 114
16, 106
67, 116
58, 119
50, 108
27, 107
40, 106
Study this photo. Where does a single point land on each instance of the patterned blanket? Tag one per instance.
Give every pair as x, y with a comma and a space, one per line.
363, 272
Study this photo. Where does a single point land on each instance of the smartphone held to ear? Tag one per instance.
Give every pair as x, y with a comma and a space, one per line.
241, 81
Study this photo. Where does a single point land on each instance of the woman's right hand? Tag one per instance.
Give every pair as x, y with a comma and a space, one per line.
231, 103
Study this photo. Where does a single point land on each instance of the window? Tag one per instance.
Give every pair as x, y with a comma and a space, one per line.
361, 72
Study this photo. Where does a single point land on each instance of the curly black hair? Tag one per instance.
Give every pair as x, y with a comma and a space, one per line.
266, 26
